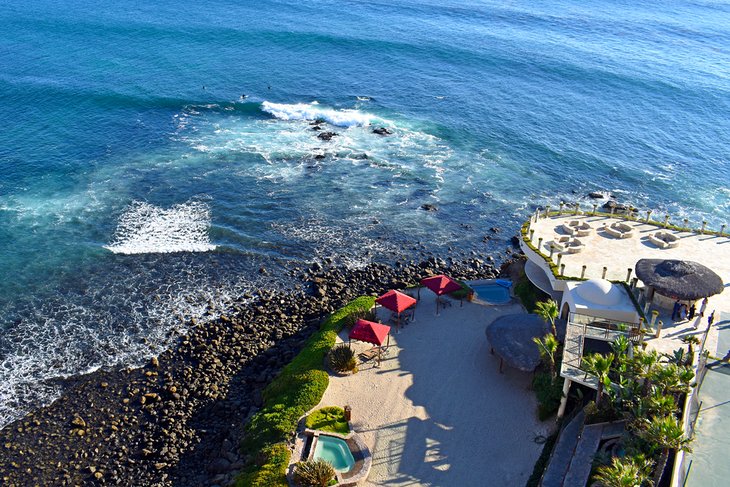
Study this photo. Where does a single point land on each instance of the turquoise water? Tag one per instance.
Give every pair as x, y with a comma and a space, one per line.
139, 188
492, 293
335, 451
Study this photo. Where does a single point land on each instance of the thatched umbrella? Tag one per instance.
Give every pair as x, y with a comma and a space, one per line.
680, 279
510, 336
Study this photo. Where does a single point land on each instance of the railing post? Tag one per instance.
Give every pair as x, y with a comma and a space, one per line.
562, 204
628, 275
594, 209
547, 211
560, 257
583, 272
562, 269
648, 215
605, 269
532, 233
552, 251
634, 282
722, 229
704, 224
666, 220
577, 209
539, 244
686, 224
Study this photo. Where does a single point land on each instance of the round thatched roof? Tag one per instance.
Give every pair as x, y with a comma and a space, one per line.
511, 338
681, 279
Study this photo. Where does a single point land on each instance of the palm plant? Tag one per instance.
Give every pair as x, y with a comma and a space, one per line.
548, 346
645, 363
600, 366
665, 434
623, 472
548, 311
620, 346
691, 341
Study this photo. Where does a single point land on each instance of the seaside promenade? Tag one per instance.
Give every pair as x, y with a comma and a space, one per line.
618, 256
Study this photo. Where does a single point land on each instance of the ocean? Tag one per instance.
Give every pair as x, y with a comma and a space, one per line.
155, 155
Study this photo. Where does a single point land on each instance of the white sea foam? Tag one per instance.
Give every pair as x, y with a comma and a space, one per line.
145, 228
313, 111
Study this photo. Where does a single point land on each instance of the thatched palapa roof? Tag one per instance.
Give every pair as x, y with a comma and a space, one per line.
511, 338
681, 279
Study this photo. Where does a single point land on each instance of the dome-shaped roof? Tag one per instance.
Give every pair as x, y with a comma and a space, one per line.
599, 291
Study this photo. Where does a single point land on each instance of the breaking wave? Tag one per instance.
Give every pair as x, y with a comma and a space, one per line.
145, 228
303, 111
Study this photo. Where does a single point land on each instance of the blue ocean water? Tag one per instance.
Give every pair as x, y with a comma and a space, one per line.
139, 187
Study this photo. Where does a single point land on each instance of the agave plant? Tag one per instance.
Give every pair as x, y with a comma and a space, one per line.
691, 341
342, 359
317, 473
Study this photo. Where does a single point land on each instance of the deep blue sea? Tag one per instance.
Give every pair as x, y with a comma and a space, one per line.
154, 155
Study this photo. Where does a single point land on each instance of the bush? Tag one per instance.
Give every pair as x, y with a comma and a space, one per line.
461, 293
549, 392
271, 472
330, 418
296, 390
342, 359
316, 473
529, 294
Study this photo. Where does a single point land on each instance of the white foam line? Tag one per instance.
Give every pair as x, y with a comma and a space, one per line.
302, 111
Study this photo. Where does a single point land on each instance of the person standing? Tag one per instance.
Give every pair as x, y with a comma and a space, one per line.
683, 312
711, 319
692, 310
675, 310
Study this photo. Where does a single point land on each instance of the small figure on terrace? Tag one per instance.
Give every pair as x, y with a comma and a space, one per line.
675, 310
692, 310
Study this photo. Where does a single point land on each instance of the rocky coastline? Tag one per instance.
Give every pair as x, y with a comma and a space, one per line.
179, 419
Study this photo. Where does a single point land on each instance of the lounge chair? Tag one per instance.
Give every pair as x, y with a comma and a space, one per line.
619, 230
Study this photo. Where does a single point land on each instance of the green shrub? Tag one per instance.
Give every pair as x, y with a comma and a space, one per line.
342, 359
272, 470
317, 473
296, 390
461, 293
549, 392
529, 294
330, 418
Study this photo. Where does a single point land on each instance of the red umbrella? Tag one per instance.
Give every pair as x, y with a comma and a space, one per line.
440, 284
370, 332
396, 301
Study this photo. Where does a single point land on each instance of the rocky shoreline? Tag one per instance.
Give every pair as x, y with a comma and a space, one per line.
179, 420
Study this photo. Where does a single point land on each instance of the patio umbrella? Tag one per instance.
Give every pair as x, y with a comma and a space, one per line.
396, 301
681, 279
510, 336
370, 332
440, 285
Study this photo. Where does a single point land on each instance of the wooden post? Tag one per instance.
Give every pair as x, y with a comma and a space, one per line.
628, 275
583, 272
605, 269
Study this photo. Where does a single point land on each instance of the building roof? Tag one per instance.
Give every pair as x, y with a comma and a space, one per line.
681, 279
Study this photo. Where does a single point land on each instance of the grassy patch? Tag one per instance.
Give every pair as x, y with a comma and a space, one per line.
330, 418
296, 390
461, 293
272, 473
529, 294
542, 461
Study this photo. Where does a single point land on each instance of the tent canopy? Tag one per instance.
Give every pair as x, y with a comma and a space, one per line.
681, 279
368, 331
395, 301
510, 336
441, 284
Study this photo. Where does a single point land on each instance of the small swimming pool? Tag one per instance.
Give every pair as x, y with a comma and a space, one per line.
493, 292
335, 451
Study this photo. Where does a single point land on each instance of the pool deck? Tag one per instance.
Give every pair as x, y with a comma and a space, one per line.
437, 411
620, 254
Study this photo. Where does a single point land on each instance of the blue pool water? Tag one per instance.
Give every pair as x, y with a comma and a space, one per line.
335, 451
492, 293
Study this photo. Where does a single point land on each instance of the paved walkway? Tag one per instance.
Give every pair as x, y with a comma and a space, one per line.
437, 411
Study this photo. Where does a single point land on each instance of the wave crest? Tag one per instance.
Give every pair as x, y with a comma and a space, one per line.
303, 111
145, 228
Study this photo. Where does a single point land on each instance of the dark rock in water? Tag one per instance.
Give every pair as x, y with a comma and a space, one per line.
316, 127
596, 195
515, 241
382, 131
263, 271
326, 135
319, 157
429, 207
494, 229
317, 121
